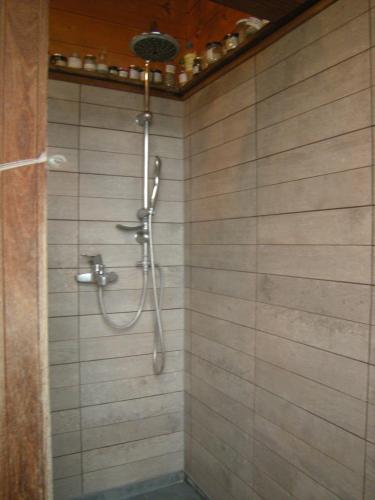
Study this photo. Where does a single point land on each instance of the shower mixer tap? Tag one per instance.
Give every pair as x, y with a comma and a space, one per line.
153, 46
98, 274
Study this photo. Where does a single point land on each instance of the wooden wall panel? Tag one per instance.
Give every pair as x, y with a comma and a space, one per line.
24, 417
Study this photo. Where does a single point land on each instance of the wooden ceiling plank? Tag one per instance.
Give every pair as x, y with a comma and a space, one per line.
264, 9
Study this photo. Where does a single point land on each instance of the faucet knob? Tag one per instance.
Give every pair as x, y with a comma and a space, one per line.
94, 259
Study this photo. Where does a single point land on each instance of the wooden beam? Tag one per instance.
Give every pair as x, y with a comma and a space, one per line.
272, 10
24, 417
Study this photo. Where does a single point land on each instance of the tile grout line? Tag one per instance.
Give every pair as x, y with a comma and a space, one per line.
78, 289
257, 249
371, 312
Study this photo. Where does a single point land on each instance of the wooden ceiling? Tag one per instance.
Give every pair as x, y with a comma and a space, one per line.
89, 26
273, 10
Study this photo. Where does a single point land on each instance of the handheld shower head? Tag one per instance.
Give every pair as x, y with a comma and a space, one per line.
155, 189
155, 46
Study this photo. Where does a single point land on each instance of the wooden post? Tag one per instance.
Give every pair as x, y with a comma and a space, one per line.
24, 412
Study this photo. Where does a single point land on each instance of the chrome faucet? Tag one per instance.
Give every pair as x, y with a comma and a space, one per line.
98, 274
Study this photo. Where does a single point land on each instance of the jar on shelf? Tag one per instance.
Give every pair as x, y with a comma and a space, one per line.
89, 62
113, 70
158, 76
197, 66
58, 60
230, 42
214, 51
102, 66
170, 75
249, 26
123, 72
134, 72
183, 78
74, 61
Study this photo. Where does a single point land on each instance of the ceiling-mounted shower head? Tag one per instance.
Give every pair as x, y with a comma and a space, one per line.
155, 46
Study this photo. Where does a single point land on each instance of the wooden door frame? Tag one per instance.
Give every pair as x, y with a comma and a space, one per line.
25, 472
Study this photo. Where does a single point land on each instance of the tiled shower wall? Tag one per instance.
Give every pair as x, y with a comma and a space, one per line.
113, 421
280, 392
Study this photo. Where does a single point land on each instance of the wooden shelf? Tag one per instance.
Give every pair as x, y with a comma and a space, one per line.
108, 81
258, 42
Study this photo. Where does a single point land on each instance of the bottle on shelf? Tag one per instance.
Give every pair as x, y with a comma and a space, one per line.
102, 65
189, 58
182, 76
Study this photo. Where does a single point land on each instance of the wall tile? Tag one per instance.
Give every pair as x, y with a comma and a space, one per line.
122, 390
318, 433
71, 156
348, 114
133, 472
324, 470
328, 20
61, 183
62, 207
99, 162
342, 300
337, 263
339, 227
224, 206
224, 105
123, 119
337, 154
230, 257
133, 430
224, 232
289, 477
65, 421
333, 406
321, 54
63, 90
67, 466
234, 284
233, 361
61, 111
340, 373
228, 180
330, 334
67, 488
112, 456
111, 413
232, 153
241, 338
63, 136
344, 189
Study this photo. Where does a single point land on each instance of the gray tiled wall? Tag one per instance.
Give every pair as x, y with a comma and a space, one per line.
274, 267
113, 421
280, 363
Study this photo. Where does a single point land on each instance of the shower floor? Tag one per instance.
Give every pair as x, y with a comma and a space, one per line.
180, 491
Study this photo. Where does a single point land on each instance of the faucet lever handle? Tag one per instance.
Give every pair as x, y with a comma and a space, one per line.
123, 227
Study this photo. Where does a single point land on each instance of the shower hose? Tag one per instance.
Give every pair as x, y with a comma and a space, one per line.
158, 353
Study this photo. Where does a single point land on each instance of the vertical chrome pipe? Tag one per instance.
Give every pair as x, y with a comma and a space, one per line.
146, 152
147, 87
146, 138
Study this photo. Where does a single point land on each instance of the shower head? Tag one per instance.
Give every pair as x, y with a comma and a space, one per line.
155, 46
